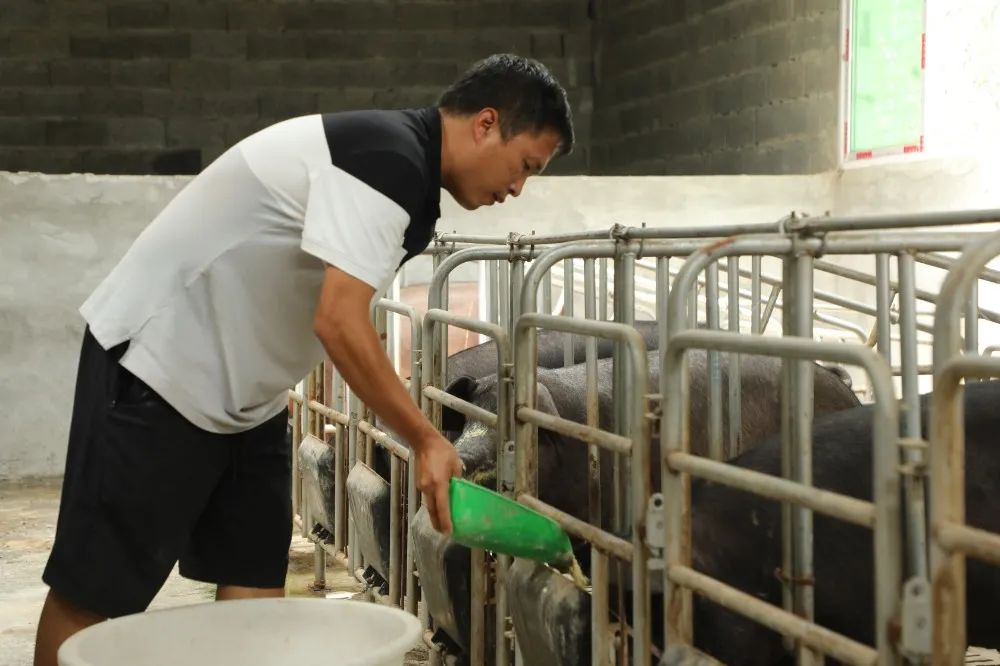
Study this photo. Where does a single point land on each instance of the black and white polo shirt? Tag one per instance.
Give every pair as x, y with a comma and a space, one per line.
217, 294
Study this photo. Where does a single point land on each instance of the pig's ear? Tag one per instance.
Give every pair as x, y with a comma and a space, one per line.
463, 387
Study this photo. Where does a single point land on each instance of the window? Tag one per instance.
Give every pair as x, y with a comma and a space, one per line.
884, 57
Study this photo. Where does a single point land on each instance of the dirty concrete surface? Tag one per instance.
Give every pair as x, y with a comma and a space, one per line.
28, 512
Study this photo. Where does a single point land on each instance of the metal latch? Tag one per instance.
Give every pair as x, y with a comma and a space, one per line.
656, 530
915, 640
508, 467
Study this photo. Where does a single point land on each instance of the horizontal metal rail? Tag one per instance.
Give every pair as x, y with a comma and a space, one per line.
606, 542
462, 406
947, 263
383, 439
833, 504
329, 413
981, 544
895, 221
828, 642
864, 278
587, 434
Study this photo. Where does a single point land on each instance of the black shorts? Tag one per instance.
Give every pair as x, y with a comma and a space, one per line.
144, 489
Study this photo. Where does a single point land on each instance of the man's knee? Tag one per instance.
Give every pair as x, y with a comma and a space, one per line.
228, 592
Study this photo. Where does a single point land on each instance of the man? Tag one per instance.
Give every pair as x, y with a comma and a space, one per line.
263, 265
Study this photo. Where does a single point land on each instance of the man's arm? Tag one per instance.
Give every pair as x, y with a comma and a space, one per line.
342, 325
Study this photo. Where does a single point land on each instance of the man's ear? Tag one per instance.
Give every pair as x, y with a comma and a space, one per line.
463, 387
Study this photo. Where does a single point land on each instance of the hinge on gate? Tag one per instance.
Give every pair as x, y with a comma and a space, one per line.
918, 466
915, 638
507, 468
507, 372
655, 414
656, 530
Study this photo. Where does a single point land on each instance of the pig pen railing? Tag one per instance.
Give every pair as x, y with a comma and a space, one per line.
635, 447
952, 540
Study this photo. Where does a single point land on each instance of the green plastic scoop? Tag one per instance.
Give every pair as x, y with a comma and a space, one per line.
484, 519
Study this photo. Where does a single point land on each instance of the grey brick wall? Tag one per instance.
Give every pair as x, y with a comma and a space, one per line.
147, 86
715, 86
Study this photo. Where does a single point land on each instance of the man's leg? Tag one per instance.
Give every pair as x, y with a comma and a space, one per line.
137, 478
252, 503
227, 592
59, 620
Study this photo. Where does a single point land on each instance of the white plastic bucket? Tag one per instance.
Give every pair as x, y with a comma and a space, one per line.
261, 632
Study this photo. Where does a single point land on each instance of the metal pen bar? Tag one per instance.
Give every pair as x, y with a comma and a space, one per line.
715, 448
600, 634
674, 437
461, 406
395, 532
584, 433
938, 261
581, 529
340, 465
839, 506
329, 413
864, 278
477, 607
947, 450
840, 323
593, 400
352, 459
772, 300
896, 221
972, 314
755, 320
773, 617
603, 289
547, 294
735, 441
913, 486
802, 419
385, 441
982, 545
568, 302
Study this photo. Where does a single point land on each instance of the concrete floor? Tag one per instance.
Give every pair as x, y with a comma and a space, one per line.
28, 514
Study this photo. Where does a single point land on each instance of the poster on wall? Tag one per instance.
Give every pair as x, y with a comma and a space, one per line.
885, 56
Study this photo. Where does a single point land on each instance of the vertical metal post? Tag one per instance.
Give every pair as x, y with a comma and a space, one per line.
600, 633
491, 291
504, 294
296, 421
972, 321
714, 372
516, 284
395, 529
339, 482
547, 293
602, 291
883, 299
787, 436
319, 567
412, 496
915, 507
354, 403
569, 290
802, 418
593, 412
662, 289
755, 321
735, 385
477, 607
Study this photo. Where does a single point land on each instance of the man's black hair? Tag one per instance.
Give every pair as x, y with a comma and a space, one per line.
524, 92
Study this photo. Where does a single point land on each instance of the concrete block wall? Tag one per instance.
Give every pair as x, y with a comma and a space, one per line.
716, 86
150, 86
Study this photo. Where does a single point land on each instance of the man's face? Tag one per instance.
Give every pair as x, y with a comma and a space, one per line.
497, 168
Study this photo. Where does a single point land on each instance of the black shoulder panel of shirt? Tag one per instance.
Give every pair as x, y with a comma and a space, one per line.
397, 153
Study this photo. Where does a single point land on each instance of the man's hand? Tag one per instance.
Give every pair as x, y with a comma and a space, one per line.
436, 463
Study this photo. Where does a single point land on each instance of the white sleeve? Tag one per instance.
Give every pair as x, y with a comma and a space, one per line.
353, 226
